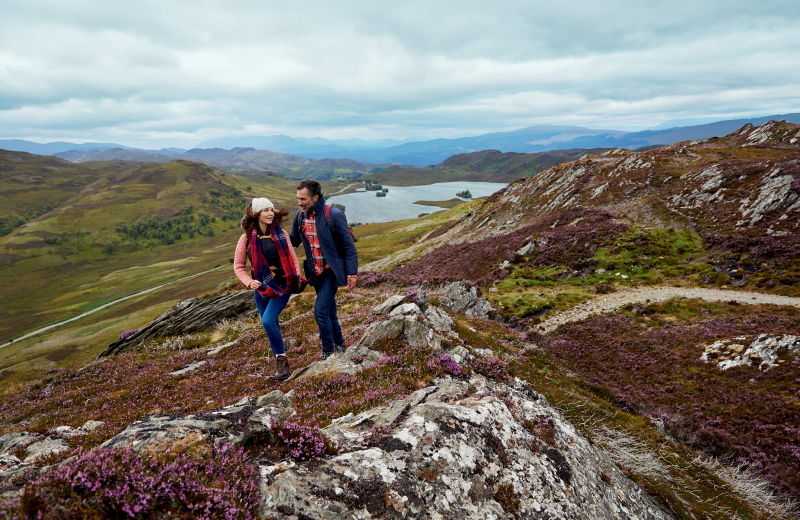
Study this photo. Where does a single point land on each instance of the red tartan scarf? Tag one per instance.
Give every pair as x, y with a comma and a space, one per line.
294, 282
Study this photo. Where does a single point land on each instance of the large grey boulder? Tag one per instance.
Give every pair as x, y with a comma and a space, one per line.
461, 449
235, 424
188, 316
458, 297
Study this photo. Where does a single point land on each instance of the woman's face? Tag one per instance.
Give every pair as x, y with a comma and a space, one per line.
266, 217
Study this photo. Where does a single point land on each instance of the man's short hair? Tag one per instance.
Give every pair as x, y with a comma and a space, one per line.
312, 186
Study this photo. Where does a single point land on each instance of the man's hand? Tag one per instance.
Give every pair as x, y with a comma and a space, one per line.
351, 282
255, 284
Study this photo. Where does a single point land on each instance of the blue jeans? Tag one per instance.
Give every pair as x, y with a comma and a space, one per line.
269, 309
330, 331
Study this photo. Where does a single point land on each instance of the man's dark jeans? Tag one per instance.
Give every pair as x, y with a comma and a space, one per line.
330, 332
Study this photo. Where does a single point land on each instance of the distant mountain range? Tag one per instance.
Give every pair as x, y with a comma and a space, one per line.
526, 140
427, 152
240, 160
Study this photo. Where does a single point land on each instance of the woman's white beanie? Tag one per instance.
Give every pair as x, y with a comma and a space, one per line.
261, 204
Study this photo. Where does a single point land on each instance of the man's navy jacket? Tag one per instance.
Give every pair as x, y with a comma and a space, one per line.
342, 260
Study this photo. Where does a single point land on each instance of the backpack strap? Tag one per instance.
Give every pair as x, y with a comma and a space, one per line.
296, 223
329, 220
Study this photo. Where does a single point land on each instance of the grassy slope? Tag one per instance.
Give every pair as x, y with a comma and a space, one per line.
29, 183
88, 278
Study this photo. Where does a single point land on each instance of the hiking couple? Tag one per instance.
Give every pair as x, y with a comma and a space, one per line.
331, 262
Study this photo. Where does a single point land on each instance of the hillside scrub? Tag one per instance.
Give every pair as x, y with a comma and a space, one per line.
171, 229
109, 483
132, 385
569, 238
768, 263
9, 224
648, 363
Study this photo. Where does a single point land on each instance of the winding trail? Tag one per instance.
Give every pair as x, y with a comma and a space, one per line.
342, 190
105, 306
611, 302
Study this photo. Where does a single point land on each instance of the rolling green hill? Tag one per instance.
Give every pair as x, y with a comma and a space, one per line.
115, 228
485, 166
129, 230
32, 185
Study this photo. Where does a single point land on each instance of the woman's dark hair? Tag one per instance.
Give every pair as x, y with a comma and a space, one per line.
250, 218
312, 186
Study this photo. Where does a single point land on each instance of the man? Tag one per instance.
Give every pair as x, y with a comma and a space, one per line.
331, 259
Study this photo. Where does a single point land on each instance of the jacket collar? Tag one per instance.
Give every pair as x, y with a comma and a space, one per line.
319, 207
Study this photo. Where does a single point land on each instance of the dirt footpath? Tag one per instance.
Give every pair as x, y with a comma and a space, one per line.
611, 302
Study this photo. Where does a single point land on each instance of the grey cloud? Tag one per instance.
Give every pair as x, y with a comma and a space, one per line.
189, 71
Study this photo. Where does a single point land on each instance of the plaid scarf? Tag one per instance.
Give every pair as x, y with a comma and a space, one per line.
261, 271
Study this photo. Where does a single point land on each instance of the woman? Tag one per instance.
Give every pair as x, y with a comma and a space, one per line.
275, 271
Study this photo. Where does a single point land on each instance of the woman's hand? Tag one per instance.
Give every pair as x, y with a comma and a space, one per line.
254, 284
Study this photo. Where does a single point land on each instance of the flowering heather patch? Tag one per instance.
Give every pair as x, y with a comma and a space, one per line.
301, 442
741, 413
776, 251
105, 483
479, 261
124, 388
450, 365
320, 399
372, 278
771, 263
490, 366
574, 246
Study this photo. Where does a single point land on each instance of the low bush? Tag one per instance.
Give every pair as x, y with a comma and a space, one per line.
105, 483
490, 366
744, 414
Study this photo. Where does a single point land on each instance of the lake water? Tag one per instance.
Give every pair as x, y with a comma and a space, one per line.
364, 207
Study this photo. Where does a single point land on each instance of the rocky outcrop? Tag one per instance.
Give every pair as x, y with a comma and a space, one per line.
21, 451
235, 424
463, 299
460, 449
761, 351
472, 448
406, 321
188, 316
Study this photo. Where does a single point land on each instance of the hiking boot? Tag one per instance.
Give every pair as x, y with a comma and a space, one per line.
340, 348
282, 370
326, 355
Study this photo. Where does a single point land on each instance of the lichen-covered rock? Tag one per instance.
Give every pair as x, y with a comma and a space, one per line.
190, 315
413, 328
16, 441
462, 449
420, 298
407, 309
387, 306
196, 433
439, 320
761, 351
460, 298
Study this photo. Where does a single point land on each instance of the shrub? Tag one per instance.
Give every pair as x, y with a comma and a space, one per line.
105, 483
741, 413
301, 442
490, 366
565, 245
449, 364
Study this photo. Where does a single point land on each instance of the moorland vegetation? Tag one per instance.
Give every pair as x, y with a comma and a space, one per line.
705, 442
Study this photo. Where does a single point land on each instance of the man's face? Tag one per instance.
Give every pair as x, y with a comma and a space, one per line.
305, 200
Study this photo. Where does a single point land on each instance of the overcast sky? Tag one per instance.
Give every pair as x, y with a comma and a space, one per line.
164, 73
